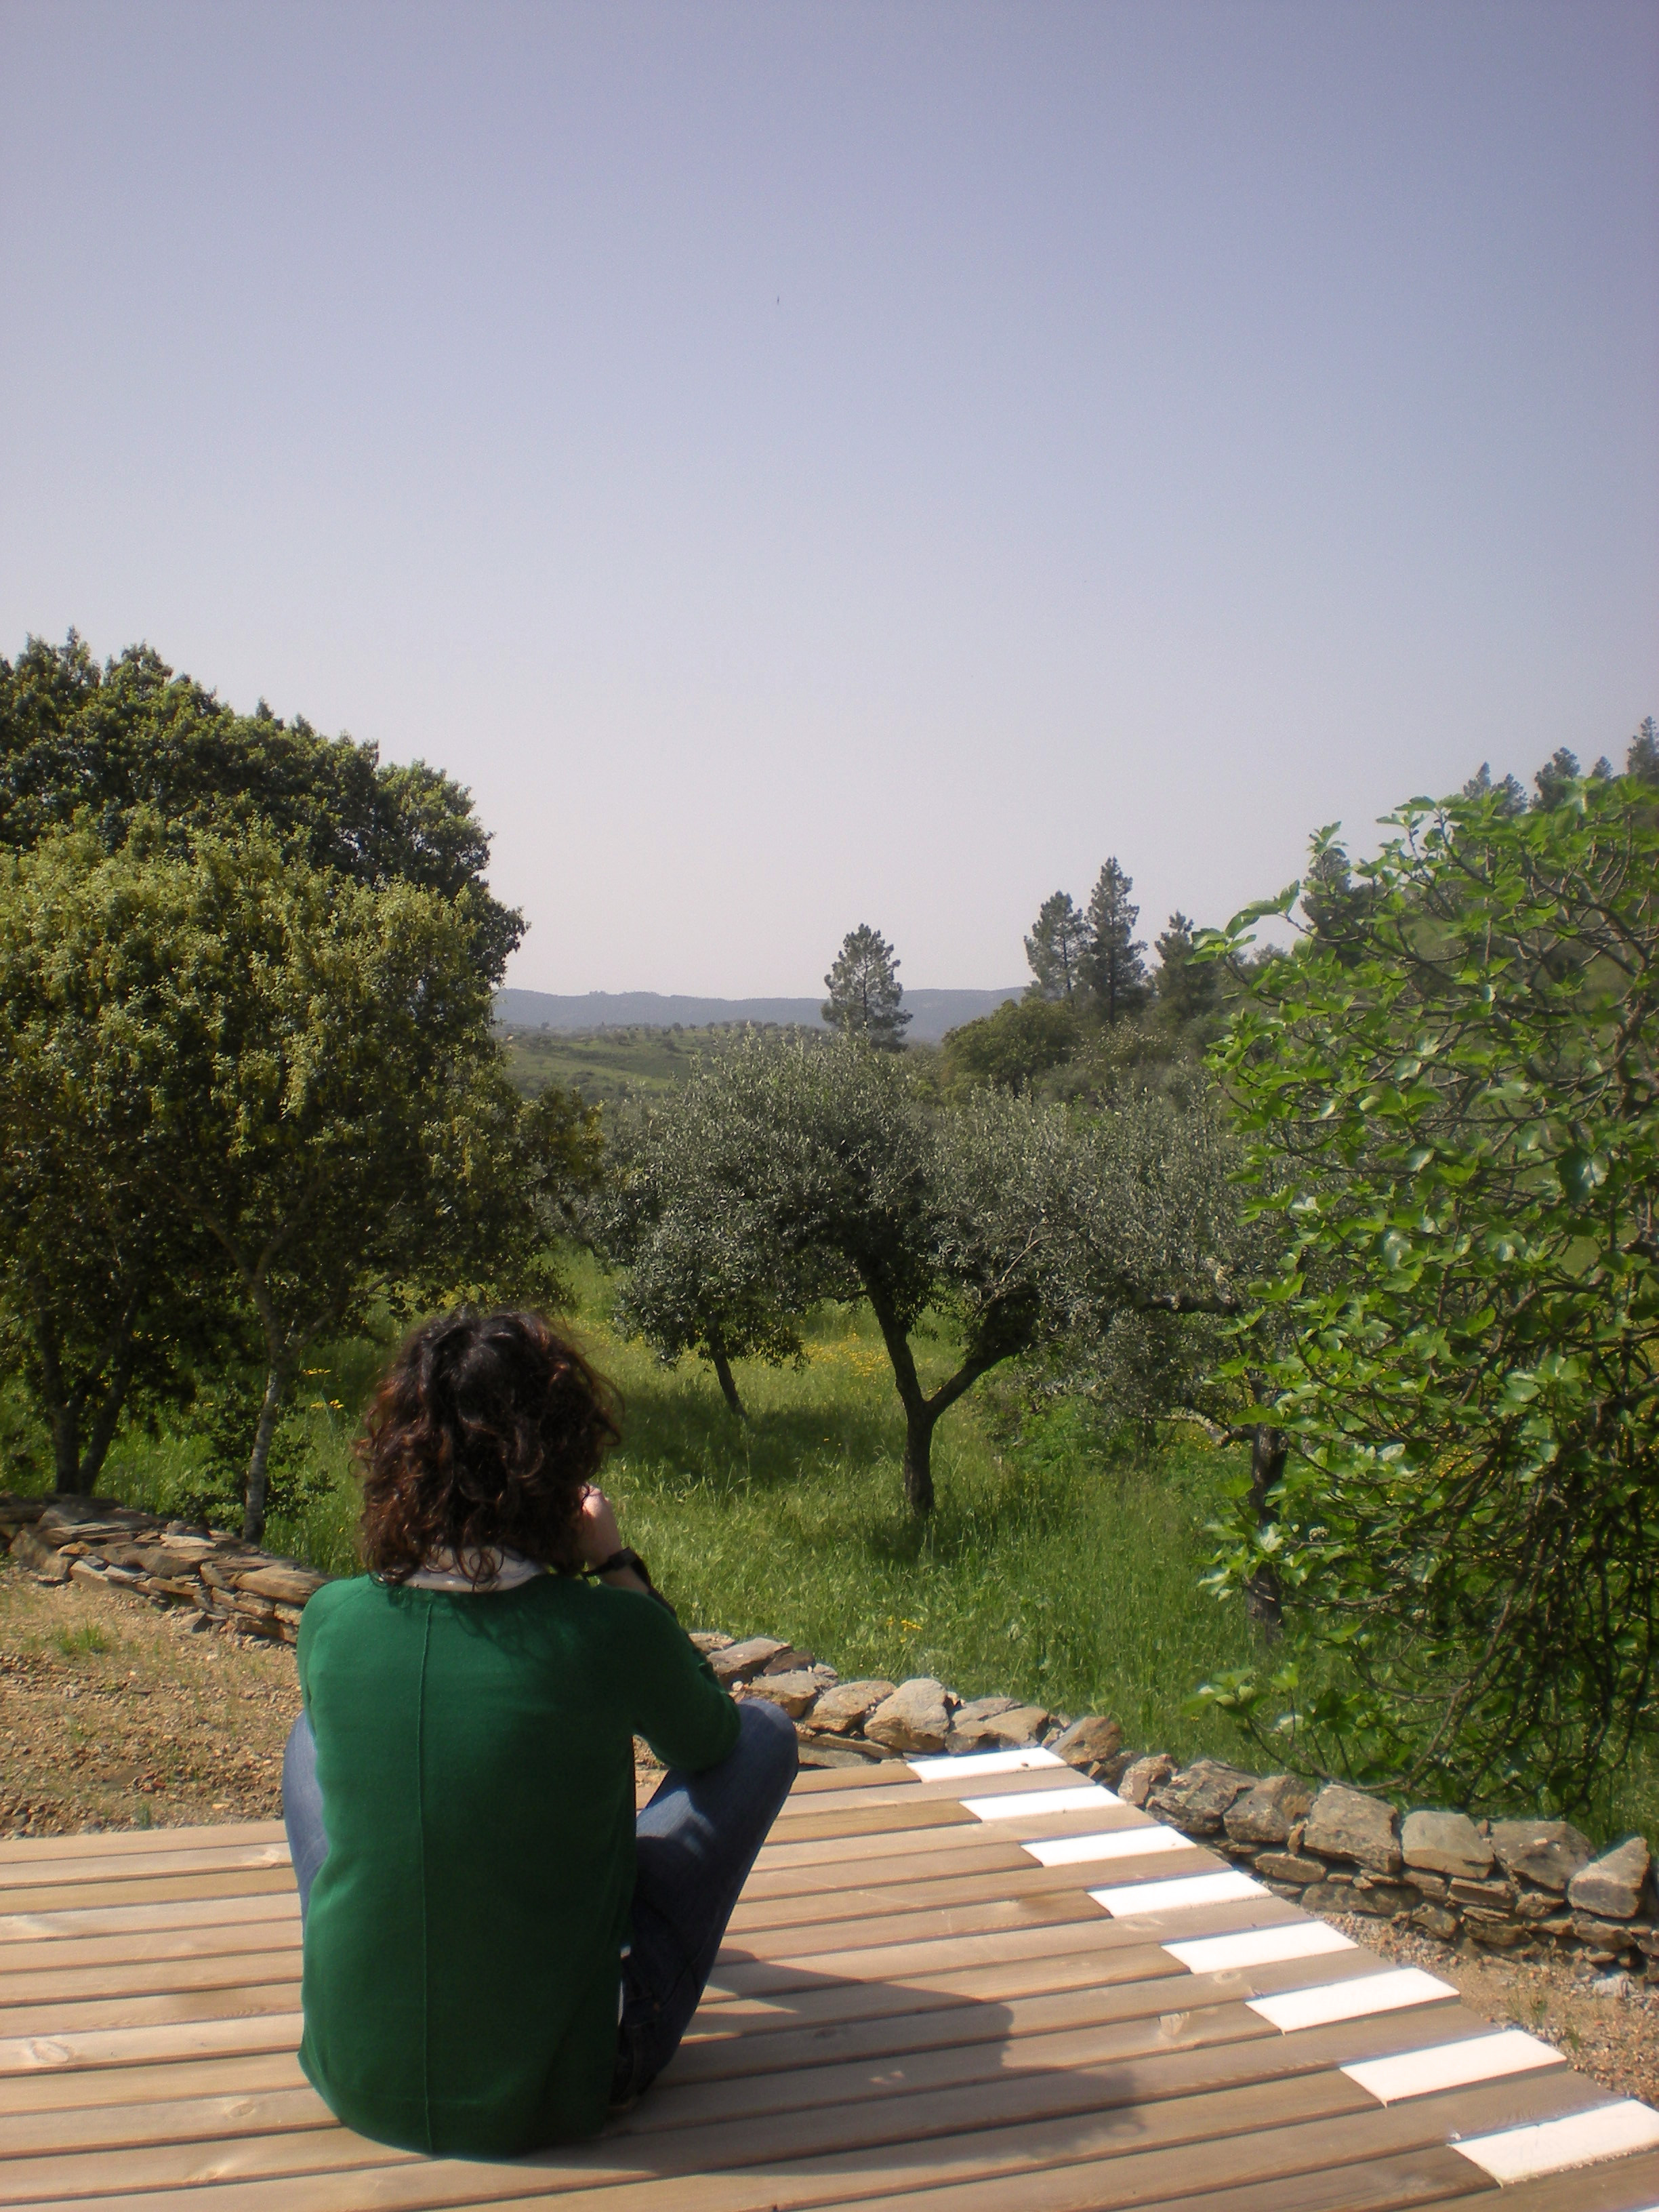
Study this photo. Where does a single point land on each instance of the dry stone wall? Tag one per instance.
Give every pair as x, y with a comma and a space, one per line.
211, 1578
1501, 1885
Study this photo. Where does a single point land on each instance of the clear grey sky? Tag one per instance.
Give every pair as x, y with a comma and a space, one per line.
805, 464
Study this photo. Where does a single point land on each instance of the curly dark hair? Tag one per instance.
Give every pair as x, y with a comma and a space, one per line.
482, 1437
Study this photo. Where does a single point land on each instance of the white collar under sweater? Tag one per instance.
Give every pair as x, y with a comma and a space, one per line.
443, 1571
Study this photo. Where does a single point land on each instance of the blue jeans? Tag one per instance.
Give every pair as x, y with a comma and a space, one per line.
694, 1843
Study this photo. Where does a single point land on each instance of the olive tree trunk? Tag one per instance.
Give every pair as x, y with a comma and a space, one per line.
722, 1367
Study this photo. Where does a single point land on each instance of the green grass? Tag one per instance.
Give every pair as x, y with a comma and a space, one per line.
85, 1640
605, 1065
1054, 1569
1049, 1570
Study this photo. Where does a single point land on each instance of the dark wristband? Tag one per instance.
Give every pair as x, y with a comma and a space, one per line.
627, 1558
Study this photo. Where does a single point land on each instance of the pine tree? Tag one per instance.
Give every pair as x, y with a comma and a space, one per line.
1055, 948
1642, 761
1552, 779
864, 992
1112, 969
1510, 792
1187, 991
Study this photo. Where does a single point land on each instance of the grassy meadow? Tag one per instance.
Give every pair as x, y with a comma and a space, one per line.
1051, 1569
1055, 1568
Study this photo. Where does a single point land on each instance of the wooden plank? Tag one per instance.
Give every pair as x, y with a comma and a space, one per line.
273, 1906
899, 1960
826, 1781
209, 2117
22, 2023
823, 2000
30, 1969
927, 1838
1049, 1908
65, 1897
765, 2140
79, 2089
70, 1873
953, 2024
120, 1843
149, 1977
1622, 2184
1162, 2152
859, 1819
872, 1899
124, 2046
910, 1790
1045, 1893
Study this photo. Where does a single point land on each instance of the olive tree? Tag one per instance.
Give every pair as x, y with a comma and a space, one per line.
1451, 1122
817, 1170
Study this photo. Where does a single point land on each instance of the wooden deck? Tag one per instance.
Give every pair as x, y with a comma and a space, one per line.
965, 1986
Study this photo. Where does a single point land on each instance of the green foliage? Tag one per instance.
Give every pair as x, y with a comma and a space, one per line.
1013, 1048
1060, 939
290, 1073
103, 745
105, 1295
864, 992
1452, 1117
1187, 991
786, 1175
85, 1640
1112, 969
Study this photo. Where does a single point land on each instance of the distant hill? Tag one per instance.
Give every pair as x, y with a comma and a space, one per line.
935, 1011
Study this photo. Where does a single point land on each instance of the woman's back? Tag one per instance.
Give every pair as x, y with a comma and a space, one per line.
464, 1934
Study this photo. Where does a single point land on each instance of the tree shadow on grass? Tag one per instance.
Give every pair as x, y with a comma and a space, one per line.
677, 1438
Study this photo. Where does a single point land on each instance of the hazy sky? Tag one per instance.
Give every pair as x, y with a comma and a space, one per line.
809, 464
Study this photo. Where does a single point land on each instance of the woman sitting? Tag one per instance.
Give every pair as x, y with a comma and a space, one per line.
496, 1952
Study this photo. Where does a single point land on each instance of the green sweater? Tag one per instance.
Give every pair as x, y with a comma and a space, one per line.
475, 1758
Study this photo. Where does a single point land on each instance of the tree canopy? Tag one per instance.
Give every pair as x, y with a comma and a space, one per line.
818, 1170
98, 745
864, 992
1452, 1121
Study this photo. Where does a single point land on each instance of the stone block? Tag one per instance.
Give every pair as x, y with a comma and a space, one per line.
1289, 1866
1494, 1934
741, 1662
39, 1558
1267, 1813
1434, 1919
1089, 1744
82, 1571
284, 1583
791, 1659
1499, 1896
1445, 1842
1612, 1886
1432, 1886
1547, 1853
1381, 1899
709, 1640
1598, 1934
1197, 1798
1009, 1729
1534, 1906
1329, 1897
916, 1718
1142, 1776
841, 1711
796, 1692
1347, 1824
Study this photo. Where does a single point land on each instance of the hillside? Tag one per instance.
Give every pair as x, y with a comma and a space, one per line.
933, 1011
